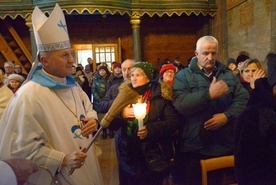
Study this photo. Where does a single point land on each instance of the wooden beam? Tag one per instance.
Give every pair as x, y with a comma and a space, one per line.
19, 41
8, 53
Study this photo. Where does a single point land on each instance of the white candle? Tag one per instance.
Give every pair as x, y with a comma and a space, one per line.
140, 111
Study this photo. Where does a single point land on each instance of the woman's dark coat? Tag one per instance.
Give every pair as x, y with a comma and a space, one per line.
255, 138
162, 122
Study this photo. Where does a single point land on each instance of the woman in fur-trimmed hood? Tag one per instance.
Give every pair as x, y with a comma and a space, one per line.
160, 123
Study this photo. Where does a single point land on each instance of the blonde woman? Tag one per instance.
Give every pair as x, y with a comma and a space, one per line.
250, 72
255, 133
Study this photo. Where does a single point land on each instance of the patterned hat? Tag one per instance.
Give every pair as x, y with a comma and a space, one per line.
50, 32
149, 69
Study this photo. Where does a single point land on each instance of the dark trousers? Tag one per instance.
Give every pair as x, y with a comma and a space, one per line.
125, 179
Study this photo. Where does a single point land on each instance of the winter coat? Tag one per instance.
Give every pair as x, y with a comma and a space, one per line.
108, 99
246, 85
115, 78
84, 84
98, 89
162, 123
192, 100
255, 138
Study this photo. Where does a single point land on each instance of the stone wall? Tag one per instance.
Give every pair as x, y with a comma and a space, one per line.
250, 28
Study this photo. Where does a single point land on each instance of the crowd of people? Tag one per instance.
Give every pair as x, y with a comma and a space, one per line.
12, 75
208, 108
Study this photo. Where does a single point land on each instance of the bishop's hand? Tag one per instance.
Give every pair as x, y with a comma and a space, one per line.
75, 159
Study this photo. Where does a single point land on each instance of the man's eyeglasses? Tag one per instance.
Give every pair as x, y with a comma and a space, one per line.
169, 72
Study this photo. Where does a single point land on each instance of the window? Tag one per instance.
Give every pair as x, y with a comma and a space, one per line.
105, 53
83, 55
98, 52
82, 52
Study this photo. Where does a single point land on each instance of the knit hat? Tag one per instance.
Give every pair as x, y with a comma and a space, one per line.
230, 61
241, 58
78, 69
17, 77
87, 67
149, 69
166, 67
104, 68
271, 67
116, 64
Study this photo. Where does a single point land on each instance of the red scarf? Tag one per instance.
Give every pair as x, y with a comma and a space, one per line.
146, 99
132, 125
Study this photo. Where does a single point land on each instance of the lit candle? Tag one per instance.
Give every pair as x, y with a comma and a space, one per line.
140, 111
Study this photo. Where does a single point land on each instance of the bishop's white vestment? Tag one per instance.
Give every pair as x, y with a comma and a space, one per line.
39, 124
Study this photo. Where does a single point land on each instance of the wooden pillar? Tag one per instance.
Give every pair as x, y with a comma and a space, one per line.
135, 22
33, 44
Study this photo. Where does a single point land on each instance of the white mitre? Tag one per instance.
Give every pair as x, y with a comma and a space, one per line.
50, 32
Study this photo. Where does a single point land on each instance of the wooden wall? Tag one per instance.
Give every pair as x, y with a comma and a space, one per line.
166, 37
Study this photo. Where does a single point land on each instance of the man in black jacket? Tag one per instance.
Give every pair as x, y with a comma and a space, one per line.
110, 96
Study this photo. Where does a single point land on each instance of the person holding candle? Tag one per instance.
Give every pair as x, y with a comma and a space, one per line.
160, 123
